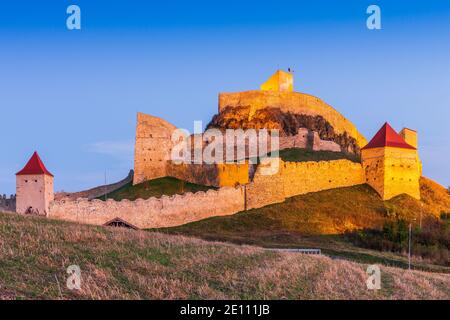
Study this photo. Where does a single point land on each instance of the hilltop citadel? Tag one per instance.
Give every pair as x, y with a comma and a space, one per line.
389, 163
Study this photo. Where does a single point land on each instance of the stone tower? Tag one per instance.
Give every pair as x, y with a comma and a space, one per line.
391, 165
410, 136
280, 81
34, 187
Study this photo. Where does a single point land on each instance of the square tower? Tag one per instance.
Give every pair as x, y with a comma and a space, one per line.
410, 136
34, 187
391, 165
280, 81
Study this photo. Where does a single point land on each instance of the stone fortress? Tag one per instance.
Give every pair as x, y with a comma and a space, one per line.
389, 163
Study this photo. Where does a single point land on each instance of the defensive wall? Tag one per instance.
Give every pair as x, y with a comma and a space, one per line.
154, 146
8, 204
154, 212
293, 178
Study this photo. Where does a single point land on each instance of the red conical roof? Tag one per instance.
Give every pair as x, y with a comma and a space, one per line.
34, 166
387, 137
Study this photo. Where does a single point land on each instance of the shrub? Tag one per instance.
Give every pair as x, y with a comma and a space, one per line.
431, 241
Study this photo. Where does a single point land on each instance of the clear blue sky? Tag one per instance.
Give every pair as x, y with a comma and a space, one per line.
73, 95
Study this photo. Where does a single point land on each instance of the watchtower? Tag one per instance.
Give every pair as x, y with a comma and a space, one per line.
34, 187
392, 166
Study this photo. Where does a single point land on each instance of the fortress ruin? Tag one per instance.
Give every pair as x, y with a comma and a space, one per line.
389, 163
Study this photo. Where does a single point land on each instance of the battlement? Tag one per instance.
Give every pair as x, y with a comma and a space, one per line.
292, 179
153, 212
8, 204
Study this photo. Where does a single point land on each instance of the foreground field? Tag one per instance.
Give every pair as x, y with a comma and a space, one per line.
126, 264
319, 220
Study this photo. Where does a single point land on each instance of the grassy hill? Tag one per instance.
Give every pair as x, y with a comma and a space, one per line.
127, 264
154, 188
301, 155
320, 219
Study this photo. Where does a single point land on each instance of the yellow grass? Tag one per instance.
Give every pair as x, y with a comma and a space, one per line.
126, 264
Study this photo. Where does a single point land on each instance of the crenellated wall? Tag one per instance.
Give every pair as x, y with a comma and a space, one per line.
8, 204
292, 178
154, 212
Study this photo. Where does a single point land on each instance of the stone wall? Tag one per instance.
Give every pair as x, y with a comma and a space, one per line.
292, 178
154, 212
295, 178
294, 102
8, 204
204, 174
152, 148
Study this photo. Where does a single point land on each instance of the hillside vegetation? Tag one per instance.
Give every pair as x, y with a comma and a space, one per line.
435, 198
301, 155
154, 188
126, 264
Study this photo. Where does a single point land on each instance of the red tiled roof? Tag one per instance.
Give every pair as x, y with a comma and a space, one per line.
34, 166
387, 137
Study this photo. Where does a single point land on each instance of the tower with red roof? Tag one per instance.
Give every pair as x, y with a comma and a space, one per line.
34, 187
392, 165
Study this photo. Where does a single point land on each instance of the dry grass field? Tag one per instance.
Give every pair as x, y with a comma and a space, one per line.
126, 264
320, 219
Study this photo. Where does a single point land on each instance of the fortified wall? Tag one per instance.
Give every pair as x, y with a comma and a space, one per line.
292, 179
154, 146
154, 143
8, 204
390, 164
295, 178
154, 212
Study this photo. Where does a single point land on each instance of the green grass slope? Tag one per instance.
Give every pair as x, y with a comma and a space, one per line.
154, 188
301, 155
126, 264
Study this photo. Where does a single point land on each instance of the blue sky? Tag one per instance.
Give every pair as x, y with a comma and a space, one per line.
73, 95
